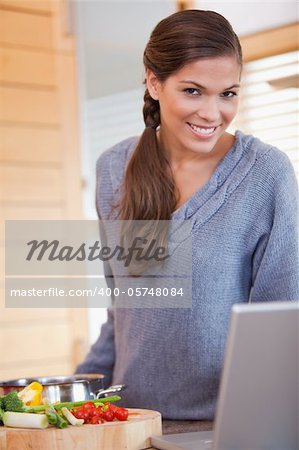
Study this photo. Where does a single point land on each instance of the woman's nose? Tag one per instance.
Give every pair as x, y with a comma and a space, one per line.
209, 111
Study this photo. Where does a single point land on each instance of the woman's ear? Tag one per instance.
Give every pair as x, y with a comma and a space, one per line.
152, 84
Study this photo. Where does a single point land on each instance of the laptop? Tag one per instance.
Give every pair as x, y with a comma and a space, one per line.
258, 401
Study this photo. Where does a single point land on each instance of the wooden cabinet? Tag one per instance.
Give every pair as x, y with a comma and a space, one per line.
39, 171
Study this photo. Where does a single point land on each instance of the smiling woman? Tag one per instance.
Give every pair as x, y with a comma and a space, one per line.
238, 196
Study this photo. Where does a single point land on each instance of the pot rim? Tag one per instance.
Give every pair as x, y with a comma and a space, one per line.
53, 380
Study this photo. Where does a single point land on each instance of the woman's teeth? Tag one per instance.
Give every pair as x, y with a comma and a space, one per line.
202, 130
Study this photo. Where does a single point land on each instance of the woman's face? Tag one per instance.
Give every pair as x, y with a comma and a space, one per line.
197, 104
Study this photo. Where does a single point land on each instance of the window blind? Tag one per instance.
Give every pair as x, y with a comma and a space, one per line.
269, 103
107, 121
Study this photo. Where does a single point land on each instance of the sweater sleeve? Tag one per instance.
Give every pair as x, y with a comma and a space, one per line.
101, 356
275, 261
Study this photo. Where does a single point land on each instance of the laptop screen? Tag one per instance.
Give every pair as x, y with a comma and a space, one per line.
259, 392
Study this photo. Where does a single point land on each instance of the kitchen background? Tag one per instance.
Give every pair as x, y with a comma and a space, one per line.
70, 87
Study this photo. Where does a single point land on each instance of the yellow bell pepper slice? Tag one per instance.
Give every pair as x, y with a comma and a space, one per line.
31, 395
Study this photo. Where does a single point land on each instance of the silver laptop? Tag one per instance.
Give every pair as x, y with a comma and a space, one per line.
258, 402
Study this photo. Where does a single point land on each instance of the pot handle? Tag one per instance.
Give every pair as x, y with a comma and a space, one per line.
110, 390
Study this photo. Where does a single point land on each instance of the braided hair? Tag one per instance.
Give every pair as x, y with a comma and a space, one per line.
140, 204
151, 111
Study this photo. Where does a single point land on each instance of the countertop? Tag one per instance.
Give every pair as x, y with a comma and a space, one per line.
184, 426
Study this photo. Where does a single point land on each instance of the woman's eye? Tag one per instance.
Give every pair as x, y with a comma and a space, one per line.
229, 94
191, 91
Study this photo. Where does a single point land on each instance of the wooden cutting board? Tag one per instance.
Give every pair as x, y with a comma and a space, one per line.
133, 434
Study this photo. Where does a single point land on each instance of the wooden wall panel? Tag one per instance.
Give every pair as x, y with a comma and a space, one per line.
45, 367
39, 170
275, 41
2, 264
38, 340
23, 211
30, 184
19, 29
29, 106
62, 26
27, 67
29, 144
22, 316
66, 73
35, 6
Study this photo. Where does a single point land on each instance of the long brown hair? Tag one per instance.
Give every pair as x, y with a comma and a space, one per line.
149, 191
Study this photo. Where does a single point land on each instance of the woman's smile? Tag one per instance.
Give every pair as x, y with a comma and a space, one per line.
202, 132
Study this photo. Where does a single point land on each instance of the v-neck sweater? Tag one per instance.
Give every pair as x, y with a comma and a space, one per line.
244, 223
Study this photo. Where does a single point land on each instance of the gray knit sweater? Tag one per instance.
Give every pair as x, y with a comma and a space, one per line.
244, 247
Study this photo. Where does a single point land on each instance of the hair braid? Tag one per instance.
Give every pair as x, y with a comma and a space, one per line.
151, 111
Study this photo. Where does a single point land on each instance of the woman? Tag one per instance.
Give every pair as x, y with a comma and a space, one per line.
238, 193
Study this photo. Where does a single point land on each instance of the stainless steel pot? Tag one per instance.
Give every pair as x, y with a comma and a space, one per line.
72, 388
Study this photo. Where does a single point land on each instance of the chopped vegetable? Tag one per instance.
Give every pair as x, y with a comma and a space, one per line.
71, 405
24, 420
53, 417
100, 414
1, 415
11, 402
31, 395
12, 409
108, 415
71, 418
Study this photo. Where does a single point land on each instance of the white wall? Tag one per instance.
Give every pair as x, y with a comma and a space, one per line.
252, 16
113, 37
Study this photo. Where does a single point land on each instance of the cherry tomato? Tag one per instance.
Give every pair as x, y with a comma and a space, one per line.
94, 420
113, 407
108, 415
97, 412
88, 406
79, 414
121, 414
86, 415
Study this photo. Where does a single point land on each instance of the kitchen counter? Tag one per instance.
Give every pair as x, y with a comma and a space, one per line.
184, 426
